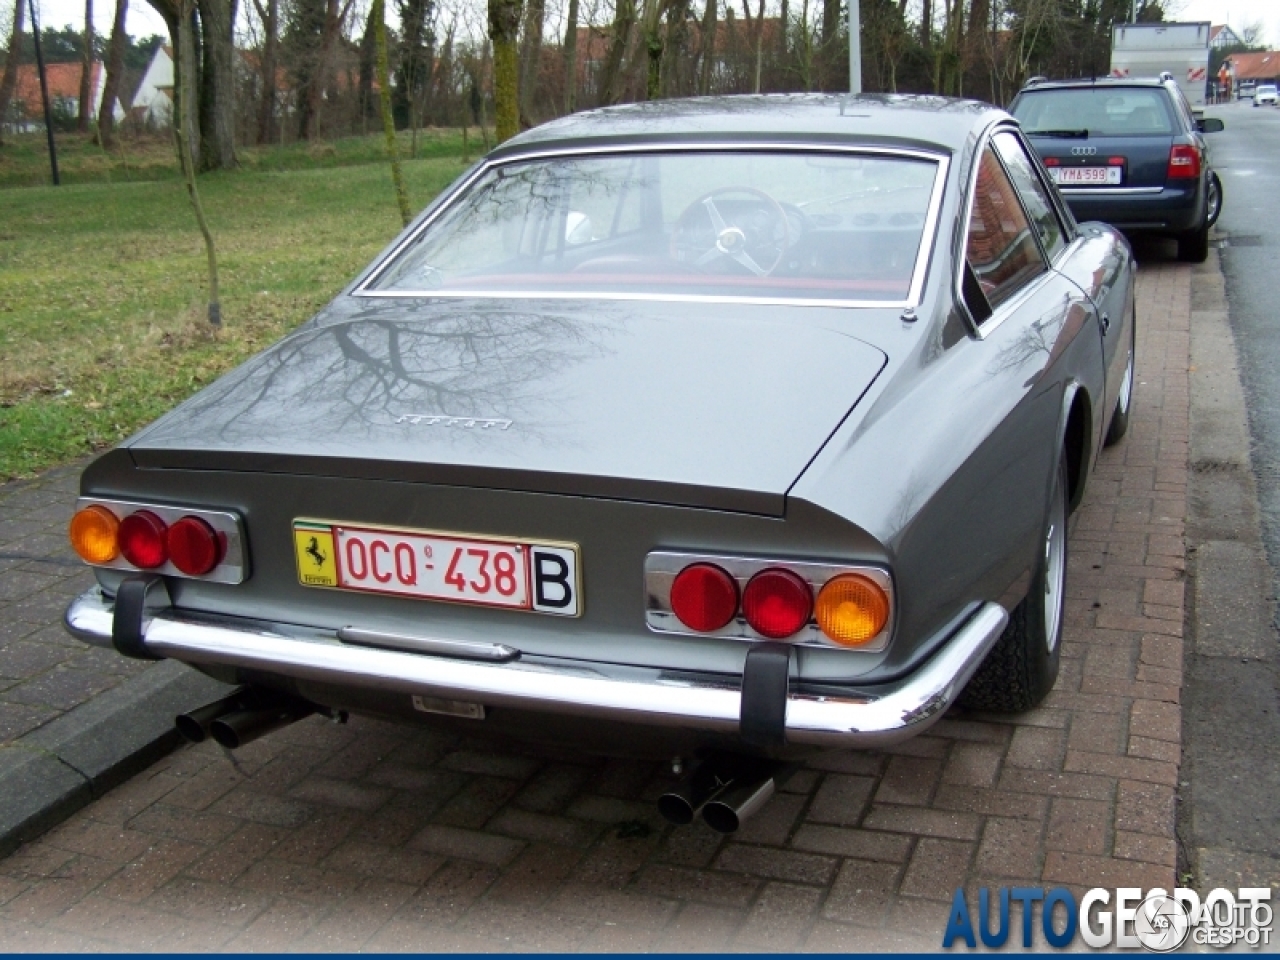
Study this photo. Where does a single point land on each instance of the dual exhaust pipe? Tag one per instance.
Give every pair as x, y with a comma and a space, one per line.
242, 717
725, 790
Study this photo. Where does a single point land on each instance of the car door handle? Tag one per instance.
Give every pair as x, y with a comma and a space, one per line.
1106, 323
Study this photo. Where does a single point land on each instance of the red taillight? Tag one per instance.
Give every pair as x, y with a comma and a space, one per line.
1052, 162
704, 597
194, 546
1184, 162
1115, 161
777, 603
142, 540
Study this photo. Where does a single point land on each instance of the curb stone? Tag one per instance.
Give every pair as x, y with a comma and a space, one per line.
52, 772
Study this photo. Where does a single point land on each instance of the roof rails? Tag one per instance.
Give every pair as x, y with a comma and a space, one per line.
1166, 76
1034, 80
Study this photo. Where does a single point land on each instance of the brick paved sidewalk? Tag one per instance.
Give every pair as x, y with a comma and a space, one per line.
375, 837
44, 673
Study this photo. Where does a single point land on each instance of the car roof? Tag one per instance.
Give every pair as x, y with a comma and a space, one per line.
939, 124
1106, 83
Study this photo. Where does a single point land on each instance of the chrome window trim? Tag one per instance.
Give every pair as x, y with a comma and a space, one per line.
1039, 175
1109, 191
234, 566
919, 269
998, 314
661, 567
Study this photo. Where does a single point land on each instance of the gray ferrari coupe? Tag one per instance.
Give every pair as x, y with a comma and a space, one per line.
728, 428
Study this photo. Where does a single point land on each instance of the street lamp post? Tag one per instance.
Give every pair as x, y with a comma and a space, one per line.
855, 47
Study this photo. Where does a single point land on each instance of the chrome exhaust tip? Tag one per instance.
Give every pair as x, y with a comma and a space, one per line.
235, 729
194, 726
731, 808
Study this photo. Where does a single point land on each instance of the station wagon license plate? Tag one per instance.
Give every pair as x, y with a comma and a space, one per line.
541, 577
1087, 176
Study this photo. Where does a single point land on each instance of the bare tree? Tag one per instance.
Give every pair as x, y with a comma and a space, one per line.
10, 79
530, 57
504, 25
624, 19
707, 46
571, 59
86, 72
183, 132
217, 84
379, 17
115, 71
267, 66
654, 42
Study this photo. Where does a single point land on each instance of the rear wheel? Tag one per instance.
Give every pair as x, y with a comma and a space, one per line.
1193, 247
1021, 668
1213, 202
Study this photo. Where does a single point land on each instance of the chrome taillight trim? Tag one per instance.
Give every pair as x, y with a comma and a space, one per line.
661, 567
234, 567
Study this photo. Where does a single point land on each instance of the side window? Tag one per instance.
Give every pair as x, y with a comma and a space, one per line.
1034, 195
999, 247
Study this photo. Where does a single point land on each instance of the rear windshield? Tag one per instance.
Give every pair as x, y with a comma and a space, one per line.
727, 224
1102, 111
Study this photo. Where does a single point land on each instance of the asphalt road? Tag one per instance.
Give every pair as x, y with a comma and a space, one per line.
1230, 821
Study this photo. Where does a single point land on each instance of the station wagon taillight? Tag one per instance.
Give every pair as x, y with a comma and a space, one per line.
1184, 162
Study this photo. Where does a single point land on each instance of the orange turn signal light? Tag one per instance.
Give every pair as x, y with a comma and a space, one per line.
851, 609
93, 534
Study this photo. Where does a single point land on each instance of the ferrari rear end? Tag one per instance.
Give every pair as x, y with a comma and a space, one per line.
535, 473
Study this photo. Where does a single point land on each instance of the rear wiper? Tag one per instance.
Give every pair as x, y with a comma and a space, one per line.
1060, 134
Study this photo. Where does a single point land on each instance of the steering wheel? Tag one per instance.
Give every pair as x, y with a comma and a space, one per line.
753, 232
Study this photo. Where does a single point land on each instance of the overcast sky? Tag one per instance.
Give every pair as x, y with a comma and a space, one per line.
143, 20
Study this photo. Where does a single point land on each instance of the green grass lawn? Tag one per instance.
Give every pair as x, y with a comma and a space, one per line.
103, 284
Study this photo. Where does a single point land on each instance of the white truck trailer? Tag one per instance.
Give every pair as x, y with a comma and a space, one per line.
1150, 49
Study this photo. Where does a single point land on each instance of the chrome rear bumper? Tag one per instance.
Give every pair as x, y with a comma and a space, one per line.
872, 716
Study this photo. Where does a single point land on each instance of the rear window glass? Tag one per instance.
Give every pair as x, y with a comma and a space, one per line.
1102, 111
749, 224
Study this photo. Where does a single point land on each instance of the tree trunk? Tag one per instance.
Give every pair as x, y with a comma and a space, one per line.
115, 71
571, 59
759, 45
10, 79
504, 25
368, 48
270, 16
86, 72
676, 55
217, 85
831, 20
708, 45
623, 20
378, 15
653, 45
530, 54
926, 24
184, 66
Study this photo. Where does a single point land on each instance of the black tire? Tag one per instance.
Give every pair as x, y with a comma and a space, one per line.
1213, 204
1124, 403
1193, 247
1022, 667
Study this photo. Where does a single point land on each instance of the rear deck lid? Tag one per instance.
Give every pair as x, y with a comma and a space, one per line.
698, 404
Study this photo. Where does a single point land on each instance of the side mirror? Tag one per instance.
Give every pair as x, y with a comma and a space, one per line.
1211, 125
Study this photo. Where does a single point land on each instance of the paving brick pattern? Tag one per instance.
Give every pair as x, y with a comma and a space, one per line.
44, 673
374, 837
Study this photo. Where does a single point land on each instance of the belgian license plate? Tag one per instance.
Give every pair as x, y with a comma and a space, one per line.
1091, 176
542, 577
